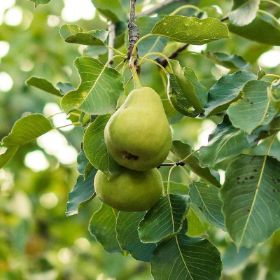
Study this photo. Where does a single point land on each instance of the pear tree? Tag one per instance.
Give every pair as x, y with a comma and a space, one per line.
135, 90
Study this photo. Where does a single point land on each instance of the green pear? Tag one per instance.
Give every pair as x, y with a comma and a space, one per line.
138, 135
130, 190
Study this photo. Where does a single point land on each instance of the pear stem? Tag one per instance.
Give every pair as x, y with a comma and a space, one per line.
133, 69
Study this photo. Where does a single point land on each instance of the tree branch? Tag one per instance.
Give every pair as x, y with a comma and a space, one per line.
224, 18
111, 42
164, 62
178, 163
133, 32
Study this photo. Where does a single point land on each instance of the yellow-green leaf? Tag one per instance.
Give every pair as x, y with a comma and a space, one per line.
191, 30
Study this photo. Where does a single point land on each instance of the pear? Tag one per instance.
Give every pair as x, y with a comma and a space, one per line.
138, 135
129, 190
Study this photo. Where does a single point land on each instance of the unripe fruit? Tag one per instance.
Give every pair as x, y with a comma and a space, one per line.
138, 135
130, 190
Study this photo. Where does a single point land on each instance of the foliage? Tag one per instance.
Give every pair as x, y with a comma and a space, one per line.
203, 227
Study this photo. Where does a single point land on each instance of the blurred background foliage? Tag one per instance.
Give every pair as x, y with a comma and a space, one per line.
37, 241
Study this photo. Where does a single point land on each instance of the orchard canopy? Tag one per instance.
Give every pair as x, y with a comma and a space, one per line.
140, 139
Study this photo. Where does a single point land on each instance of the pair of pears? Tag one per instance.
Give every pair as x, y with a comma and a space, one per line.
138, 137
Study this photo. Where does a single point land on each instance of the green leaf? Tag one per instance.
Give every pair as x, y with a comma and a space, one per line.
111, 9
99, 89
95, 51
197, 224
234, 259
238, 3
251, 199
169, 7
264, 29
20, 235
95, 147
27, 129
102, 226
151, 44
274, 94
264, 131
263, 146
7, 155
187, 95
244, 13
253, 109
226, 143
64, 87
38, 2
82, 192
75, 117
82, 163
73, 33
176, 188
184, 152
164, 219
185, 258
207, 200
44, 85
230, 61
226, 90
252, 272
191, 30
274, 253
127, 234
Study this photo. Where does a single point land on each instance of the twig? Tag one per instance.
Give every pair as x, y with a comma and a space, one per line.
111, 41
178, 163
224, 18
164, 62
133, 32
66, 125
272, 2
154, 9
272, 75
55, 114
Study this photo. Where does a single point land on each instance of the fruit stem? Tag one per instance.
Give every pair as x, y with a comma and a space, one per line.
133, 69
